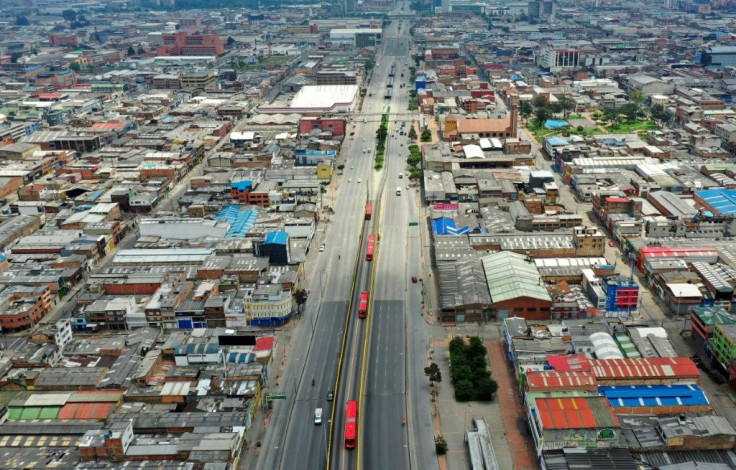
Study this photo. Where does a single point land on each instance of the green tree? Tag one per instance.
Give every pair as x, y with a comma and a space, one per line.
457, 346
629, 110
131, 51
485, 388
415, 174
426, 135
637, 97
15, 56
612, 114
412, 133
661, 114
75, 67
433, 372
300, 297
541, 114
69, 15
440, 445
476, 348
567, 105
464, 390
21, 21
539, 101
141, 51
526, 109
230, 41
368, 64
555, 108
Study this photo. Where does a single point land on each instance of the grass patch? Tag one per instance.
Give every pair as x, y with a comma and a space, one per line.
542, 132
628, 127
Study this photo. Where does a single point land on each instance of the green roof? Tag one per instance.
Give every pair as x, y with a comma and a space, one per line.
33, 412
714, 316
14, 412
510, 275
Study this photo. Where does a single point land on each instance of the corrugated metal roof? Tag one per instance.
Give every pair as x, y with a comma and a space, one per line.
658, 367
509, 276
279, 238
559, 379
95, 411
654, 395
575, 413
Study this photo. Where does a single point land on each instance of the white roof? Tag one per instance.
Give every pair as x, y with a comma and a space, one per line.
250, 135
48, 399
685, 290
473, 151
324, 96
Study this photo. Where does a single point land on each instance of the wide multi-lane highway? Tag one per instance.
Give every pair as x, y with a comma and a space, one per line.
293, 441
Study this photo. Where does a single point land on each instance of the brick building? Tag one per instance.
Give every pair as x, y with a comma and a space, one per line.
334, 125
184, 44
516, 287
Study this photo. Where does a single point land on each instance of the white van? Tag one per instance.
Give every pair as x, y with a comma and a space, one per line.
398, 191
318, 416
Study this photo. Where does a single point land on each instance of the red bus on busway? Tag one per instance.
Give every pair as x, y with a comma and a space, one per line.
368, 211
370, 248
351, 424
363, 305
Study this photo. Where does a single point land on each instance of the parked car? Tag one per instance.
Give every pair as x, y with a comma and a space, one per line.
414, 279
322, 247
611, 244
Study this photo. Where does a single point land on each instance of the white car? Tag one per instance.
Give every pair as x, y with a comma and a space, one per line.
322, 247
359, 181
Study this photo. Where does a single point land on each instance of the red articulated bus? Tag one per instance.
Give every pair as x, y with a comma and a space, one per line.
363, 305
351, 424
368, 211
370, 248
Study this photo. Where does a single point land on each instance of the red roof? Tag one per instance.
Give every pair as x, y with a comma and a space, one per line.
617, 199
265, 343
49, 96
441, 206
654, 367
677, 252
566, 380
108, 125
567, 363
575, 413
96, 411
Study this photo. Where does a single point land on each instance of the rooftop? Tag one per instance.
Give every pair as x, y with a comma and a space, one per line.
510, 275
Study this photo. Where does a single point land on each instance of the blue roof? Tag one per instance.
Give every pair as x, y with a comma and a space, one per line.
3, 257
555, 141
556, 124
279, 238
446, 226
196, 348
95, 195
240, 220
443, 225
241, 185
722, 200
240, 358
654, 395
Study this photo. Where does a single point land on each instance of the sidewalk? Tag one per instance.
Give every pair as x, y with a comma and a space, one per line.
520, 446
453, 417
